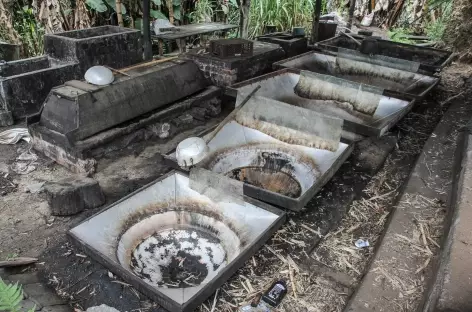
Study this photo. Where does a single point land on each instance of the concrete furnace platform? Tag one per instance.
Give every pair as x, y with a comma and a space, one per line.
80, 121
25, 84
226, 71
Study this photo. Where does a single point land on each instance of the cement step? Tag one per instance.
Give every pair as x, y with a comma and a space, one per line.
404, 269
453, 288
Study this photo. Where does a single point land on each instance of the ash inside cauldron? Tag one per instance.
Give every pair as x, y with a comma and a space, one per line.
272, 173
273, 167
178, 258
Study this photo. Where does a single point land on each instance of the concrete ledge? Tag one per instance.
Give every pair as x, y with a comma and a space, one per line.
453, 290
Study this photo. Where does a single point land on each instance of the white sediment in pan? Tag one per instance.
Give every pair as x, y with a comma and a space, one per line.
323, 87
169, 215
289, 124
362, 72
236, 146
281, 88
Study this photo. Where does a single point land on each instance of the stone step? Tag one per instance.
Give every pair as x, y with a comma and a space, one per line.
453, 288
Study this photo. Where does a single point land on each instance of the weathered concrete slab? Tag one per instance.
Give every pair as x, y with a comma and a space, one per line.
79, 114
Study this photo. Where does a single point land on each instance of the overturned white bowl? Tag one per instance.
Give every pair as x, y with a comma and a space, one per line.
191, 151
99, 75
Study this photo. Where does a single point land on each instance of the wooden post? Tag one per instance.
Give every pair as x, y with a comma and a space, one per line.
170, 7
316, 22
352, 6
119, 15
147, 45
244, 8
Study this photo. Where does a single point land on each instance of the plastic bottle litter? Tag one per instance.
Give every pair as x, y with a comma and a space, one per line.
276, 293
360, 243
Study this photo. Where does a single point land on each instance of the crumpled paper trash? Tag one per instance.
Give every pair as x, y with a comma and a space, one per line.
14, 135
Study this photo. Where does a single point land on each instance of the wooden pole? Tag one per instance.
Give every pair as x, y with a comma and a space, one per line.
147, 45
170, 7
119, 15
244, 11
316, 22
352, 6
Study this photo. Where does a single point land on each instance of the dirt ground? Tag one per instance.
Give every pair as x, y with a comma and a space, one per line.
26, 226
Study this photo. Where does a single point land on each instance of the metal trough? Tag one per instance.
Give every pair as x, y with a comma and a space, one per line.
284, 155
430, 60
281, 86
175, 243
394, 81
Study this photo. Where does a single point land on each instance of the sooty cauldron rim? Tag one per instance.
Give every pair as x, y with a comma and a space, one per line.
272, 198
154, 293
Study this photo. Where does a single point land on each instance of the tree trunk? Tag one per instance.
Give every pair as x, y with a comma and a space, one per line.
170, 6
147, 31
316, 22
119, 15
244, 11
352, 7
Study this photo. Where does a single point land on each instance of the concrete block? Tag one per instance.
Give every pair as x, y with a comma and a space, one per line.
6, 118
106, 45
25, 84
25, 278
9, 52
28, 304
41, 295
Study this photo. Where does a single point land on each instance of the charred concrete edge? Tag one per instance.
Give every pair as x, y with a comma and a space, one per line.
203, 294
440, 266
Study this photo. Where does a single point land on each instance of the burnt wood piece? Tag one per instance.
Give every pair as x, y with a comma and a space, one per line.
72, 195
